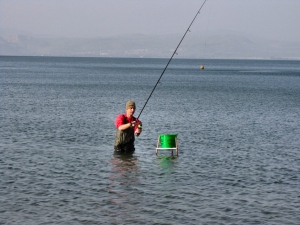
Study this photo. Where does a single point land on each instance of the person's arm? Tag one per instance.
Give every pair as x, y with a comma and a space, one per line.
126, 125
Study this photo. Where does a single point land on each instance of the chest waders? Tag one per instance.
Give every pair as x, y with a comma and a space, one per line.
124, 140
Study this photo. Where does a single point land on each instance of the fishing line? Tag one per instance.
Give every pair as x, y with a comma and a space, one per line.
188, 29
206, 33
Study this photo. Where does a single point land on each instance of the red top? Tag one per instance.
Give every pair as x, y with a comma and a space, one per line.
123, 119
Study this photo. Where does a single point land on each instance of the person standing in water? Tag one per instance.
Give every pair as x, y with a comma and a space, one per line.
127, 128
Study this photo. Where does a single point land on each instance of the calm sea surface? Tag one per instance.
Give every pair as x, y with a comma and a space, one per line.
238, 126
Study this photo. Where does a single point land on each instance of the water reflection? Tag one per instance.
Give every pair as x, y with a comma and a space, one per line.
124, 180
167, 163
125, 169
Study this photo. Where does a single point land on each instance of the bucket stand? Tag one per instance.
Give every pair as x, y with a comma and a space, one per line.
167, 146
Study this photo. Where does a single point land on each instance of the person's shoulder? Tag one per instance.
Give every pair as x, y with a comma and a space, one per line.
120, 116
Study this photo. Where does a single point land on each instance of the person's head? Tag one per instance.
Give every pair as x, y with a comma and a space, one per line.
130, 108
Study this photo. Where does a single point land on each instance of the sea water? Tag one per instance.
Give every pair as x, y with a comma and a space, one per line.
238, 126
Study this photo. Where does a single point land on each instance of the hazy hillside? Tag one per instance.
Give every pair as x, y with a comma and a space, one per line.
213, 46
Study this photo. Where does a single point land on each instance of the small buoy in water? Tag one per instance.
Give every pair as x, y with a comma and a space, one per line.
202, 67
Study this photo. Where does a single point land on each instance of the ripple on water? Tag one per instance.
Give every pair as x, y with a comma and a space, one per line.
238, 143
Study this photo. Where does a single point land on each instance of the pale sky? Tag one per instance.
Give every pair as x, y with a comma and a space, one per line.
274, 19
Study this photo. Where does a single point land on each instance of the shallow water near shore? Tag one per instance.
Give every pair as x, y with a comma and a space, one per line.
238, 132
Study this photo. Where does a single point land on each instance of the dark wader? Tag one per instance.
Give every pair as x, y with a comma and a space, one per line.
124, 141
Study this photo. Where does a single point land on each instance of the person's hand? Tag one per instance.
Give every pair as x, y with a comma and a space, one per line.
138, 132
132, 124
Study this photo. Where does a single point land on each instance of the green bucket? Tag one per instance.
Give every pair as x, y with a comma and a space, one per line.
167, 140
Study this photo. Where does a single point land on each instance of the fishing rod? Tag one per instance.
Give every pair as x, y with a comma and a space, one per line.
188, 29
